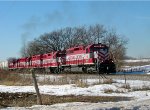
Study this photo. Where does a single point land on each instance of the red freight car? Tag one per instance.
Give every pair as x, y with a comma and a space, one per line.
50, 59
36, 61
54, 60
21, 63
75, 56
11, 64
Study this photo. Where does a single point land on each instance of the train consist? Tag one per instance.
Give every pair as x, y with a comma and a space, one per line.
94, 57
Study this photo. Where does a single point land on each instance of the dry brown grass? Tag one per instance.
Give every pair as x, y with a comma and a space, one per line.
126, 86
11, 79
104, 81
143, 88
7, 78
108, 91
81, 84
108, 81
15, 79
119, 91
29, 99
66, 79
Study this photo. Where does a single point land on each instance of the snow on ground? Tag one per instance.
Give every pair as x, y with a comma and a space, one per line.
60, 89
135, 67
42, 77
144, 68
138, 60
92, 90
123, 105
48, 77
148, 73
141, 98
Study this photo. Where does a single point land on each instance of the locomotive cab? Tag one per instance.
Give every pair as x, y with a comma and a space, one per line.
101, 58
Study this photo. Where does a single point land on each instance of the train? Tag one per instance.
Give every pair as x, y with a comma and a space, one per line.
90, 58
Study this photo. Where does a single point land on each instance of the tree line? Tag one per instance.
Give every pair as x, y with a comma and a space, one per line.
73, 36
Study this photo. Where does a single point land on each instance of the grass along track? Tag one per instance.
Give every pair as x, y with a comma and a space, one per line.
18, 79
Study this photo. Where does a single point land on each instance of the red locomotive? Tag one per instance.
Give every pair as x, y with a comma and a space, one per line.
94, 57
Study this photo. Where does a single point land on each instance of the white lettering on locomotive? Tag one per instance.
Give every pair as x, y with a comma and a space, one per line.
77, 57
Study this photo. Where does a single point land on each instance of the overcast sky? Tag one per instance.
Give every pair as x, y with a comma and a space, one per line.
23, 21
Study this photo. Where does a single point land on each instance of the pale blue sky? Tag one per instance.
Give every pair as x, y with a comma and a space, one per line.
28, 20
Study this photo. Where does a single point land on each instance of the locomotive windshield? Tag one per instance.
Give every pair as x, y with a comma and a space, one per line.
99, 49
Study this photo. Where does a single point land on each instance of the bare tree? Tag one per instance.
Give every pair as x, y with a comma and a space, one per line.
81, 36
68, 37
97, 32
74, 36
117, 46
34, 47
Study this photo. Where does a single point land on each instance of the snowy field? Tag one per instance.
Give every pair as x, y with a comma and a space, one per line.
130, 105
138, 60
144, 68
137, 89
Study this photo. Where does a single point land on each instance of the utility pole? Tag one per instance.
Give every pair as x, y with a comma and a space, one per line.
39, 100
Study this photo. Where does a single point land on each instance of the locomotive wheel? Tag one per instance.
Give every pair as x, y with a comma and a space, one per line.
56, 70
52, 70
84, 69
